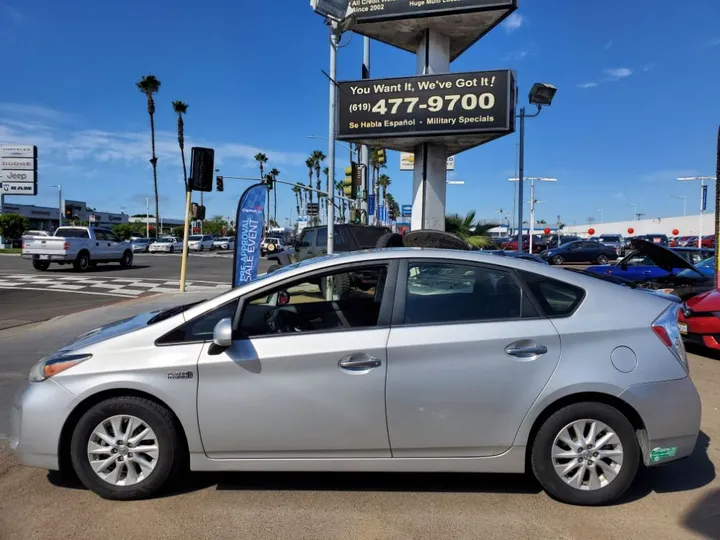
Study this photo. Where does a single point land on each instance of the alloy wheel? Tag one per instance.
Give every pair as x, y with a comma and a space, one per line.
123, 450
587, 454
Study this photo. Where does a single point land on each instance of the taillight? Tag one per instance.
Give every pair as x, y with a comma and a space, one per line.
66, 246
666, 328
24, 245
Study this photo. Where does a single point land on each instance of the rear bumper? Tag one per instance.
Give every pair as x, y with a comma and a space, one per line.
671, 413
48, 258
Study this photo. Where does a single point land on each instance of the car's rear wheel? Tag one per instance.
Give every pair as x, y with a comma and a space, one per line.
82, 262
586, 453
125, 448
602, 259
41, 265
389, 240
127, 259
272, 268
558, 259
172, 249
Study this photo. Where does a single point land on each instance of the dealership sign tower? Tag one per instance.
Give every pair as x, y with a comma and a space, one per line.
435, 114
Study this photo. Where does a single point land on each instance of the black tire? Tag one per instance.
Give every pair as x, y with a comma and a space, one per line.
429, 238
82, 262
602, 259
389, 240
272, 268
40, 265
541, 457
200, 248
158, 418
172, 249
557, 259
127, 259
341, 286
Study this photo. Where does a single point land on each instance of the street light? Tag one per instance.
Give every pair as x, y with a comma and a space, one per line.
541, 94
684, 200
634, 210
703, 198
533, 201
60, 204
602, 214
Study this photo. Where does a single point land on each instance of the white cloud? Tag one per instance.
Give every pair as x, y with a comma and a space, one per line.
14, 15
24, 112
588, 85
516, 56
615, 74
608, 45
666, 175
513, 22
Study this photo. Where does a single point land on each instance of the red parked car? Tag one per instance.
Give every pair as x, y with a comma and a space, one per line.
699, 320
708, 241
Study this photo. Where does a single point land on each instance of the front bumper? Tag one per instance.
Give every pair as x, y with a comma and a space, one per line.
671, 412
38, 415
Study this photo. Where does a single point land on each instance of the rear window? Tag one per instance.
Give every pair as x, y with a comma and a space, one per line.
367, 237
610, 238
556, 298
72, 233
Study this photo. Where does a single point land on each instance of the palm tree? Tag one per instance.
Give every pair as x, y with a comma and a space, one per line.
180, 108
474, 234
375, 167
310, 164
150, 85
340, 188
262, 159
296, 189
326, 173
383, 182
318, 157
274, 173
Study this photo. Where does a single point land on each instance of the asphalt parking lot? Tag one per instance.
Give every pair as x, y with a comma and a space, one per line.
679, 500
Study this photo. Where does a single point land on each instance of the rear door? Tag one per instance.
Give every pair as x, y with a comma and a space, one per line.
468, 354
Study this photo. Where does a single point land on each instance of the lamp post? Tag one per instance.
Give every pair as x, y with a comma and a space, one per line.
634, 211
602, 214
703, 198
540, 94
684, 200
533, 201
60, 204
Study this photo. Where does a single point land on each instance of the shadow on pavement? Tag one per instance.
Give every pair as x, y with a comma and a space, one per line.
704, 518
99, 269
692, 473
710, 354
330, 481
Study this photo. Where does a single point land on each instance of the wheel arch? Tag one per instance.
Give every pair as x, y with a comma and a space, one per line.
624, 407
64, 460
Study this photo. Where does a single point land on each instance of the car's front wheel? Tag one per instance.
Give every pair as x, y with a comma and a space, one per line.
602, 259
41, 265
125, 448
558, 259
127, 259
586, 453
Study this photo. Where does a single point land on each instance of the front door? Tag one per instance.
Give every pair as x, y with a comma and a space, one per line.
305, 377
467, 357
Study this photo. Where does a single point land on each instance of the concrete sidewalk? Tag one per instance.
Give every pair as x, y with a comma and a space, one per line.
22, 346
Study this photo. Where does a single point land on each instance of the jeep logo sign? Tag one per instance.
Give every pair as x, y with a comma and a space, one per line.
17, 176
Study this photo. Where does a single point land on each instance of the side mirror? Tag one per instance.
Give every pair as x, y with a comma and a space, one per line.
222, 333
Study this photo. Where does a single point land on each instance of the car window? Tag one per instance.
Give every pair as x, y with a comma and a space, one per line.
201, 328
207, 237
367, 237
101, 235
72, 233
342, 242
321, 237
301, 305
556, 298
307, 239
638, 260
112, 237
446, 293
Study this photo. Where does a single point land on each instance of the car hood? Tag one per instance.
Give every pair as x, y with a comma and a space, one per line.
123, 326
663, 257
703, 302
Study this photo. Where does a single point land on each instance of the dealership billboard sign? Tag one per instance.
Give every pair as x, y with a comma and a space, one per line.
18, 169
407, 162
458, 110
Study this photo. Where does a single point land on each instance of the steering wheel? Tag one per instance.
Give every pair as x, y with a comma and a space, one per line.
282, 321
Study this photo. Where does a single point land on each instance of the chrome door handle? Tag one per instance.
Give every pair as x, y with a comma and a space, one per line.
359, 362
526, 351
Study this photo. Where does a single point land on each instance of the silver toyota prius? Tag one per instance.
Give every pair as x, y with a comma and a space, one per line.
385, 360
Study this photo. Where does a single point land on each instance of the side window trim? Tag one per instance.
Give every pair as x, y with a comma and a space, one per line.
159, 342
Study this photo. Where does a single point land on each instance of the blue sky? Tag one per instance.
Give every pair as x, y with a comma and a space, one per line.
636, 103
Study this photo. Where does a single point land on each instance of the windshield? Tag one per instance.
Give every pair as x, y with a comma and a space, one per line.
609, 238
195, 238
171, 312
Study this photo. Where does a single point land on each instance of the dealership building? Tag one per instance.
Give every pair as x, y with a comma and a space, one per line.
685, 225
46, 218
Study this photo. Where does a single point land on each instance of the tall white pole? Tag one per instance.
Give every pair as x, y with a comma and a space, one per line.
60, 206
331, 145
364, 150
702, 188
532, 215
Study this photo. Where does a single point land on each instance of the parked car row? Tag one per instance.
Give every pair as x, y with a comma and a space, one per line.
171, 244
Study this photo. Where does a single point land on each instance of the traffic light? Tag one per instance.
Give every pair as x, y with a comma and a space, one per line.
197, 212
269, 180
391, 212
381, 156
219, 184
68, 212
200, 213
356, 216
349, 183
202, 167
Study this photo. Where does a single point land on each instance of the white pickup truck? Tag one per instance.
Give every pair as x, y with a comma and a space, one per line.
83, 247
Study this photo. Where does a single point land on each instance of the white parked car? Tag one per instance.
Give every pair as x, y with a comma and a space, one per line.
199, 242
166, 245
224, 242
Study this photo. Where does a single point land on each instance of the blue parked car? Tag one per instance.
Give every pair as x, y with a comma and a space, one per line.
639, 266
706, 267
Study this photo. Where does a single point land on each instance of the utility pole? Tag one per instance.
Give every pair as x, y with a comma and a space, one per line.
331, 142
364, 150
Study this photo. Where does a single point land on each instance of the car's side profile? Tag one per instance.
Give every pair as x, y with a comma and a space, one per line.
580, 251
451, 361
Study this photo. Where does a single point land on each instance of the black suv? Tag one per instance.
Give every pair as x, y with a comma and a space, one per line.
312, 242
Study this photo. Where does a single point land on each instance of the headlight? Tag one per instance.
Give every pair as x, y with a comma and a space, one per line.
54, 364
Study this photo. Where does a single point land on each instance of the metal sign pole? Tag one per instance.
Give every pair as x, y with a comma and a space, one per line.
331, 143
